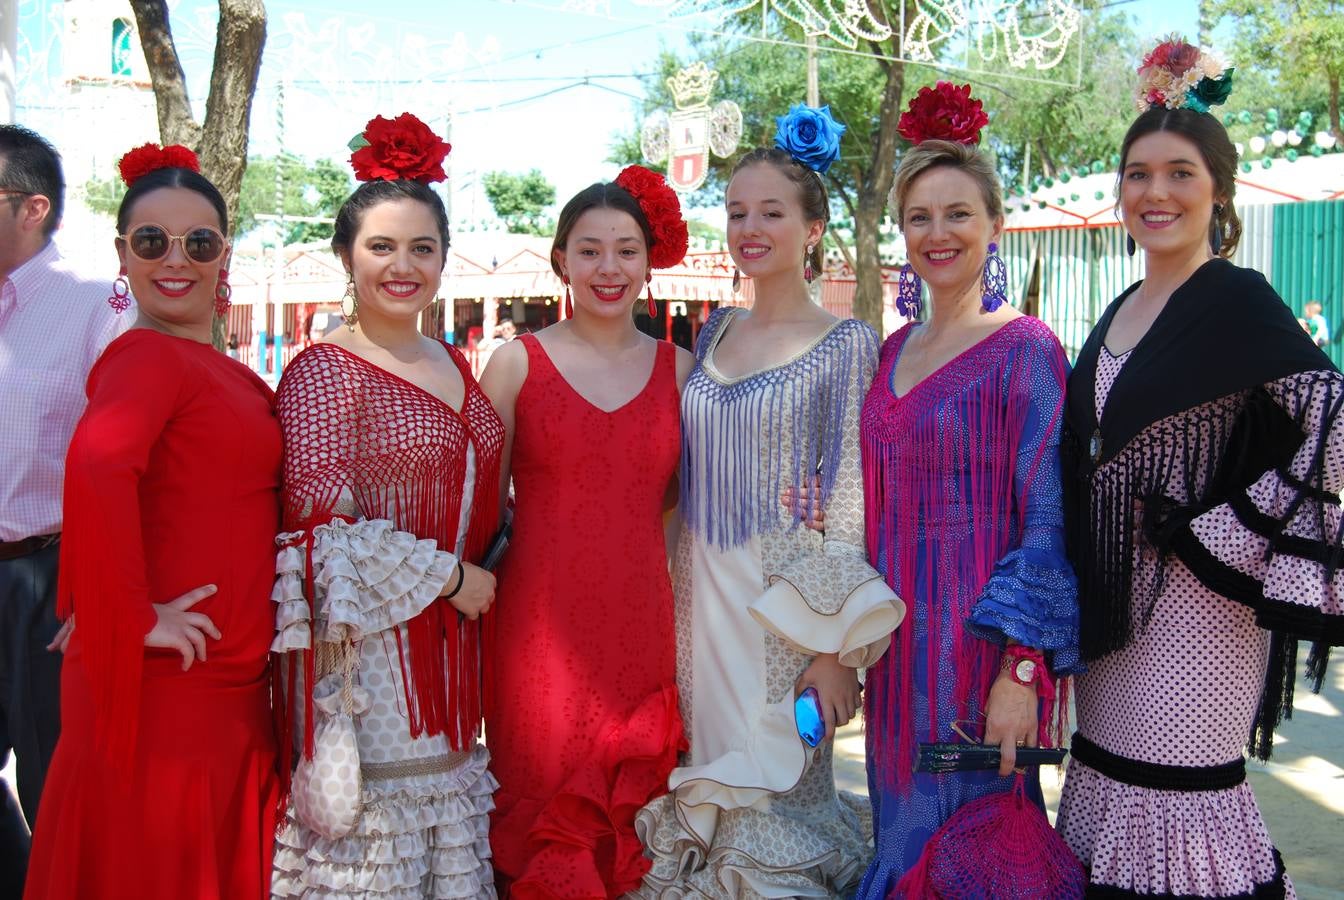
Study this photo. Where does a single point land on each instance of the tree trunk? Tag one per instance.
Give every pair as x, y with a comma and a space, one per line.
228, 109
1333, 108
1046, 160
221, 143
176, 123
871, 202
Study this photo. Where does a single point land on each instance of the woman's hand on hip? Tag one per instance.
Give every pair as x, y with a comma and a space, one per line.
180, 629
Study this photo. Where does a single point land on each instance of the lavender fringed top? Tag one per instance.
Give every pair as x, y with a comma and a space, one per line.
774, 428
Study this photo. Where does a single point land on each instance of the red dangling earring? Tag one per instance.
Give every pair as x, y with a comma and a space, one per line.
121, 293
653, 308
569, 301
222, 294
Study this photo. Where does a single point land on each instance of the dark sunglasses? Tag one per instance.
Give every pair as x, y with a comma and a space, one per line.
149, 242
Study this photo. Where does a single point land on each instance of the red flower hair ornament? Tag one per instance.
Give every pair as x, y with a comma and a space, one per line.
400, 148
663, 210
146, 158
944, 112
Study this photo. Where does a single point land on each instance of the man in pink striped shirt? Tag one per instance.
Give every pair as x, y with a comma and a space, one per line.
53, 326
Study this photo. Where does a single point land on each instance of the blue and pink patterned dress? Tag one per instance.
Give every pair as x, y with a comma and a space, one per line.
964, 519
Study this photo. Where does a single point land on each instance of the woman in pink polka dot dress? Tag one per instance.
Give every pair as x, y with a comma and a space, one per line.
1204, 456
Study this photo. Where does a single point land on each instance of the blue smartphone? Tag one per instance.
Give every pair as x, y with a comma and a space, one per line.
807, 716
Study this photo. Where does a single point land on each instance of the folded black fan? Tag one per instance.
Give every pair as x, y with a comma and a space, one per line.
943, 758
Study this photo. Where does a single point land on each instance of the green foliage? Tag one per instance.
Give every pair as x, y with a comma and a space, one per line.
103, 195
1065, 126
306, 190
520, 199
1289, 56
703, 230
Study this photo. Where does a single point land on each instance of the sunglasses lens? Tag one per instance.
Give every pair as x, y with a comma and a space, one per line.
149, 242
204, 245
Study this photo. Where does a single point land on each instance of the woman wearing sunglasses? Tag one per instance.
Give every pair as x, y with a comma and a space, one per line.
163, 784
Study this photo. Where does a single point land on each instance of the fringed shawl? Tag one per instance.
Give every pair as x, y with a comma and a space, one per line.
1190, 423
745, 439
355, 431
963, 508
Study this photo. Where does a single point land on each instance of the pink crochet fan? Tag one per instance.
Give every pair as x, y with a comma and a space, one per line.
999, 847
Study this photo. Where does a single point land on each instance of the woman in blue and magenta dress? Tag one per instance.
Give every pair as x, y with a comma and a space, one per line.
960, 434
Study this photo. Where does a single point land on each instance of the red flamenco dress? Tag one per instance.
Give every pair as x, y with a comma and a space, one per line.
582, 721
163, 784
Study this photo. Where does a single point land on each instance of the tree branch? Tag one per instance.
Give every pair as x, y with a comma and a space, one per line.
177, 125
844, 250
233, 81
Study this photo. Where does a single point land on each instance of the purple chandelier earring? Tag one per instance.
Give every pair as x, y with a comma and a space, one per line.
1130, 246
994, 280
908, 290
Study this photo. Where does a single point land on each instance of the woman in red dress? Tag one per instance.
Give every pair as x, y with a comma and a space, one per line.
163, 784
582, 720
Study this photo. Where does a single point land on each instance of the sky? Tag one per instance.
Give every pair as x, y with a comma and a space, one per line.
518, 84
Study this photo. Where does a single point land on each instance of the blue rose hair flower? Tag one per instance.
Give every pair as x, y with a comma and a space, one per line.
810, 135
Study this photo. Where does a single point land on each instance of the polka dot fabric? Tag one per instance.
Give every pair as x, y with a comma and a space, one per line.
1183, 693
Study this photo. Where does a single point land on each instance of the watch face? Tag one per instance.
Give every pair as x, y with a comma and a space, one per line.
1025, 670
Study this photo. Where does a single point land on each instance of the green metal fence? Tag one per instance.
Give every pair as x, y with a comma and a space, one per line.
1067, 276
1309, 262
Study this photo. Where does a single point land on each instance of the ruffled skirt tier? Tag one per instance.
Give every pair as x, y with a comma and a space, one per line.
420, 836
1167, 844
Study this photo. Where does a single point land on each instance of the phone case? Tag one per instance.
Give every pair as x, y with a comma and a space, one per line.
807, 716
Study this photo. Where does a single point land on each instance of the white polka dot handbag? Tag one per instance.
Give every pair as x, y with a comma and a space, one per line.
327, 788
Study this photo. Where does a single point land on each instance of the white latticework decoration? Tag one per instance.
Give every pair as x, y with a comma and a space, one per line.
588, 7
725, 128
1046, 49
338, 63
934, 31
935, 22
653, 137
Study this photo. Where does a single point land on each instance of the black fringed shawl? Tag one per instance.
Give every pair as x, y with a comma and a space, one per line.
1191, 401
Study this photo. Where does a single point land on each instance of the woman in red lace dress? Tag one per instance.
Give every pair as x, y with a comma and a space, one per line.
582, 713
163, 784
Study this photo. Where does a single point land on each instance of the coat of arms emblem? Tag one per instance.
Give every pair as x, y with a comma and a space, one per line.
687, 136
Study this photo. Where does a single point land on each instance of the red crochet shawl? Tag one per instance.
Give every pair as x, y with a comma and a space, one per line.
355, 430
